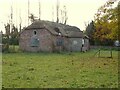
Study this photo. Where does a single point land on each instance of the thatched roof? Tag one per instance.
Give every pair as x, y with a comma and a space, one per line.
65, 30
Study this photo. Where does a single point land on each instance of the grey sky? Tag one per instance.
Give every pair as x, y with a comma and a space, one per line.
79, 11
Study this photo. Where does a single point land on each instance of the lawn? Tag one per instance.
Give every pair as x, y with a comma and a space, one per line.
55, 70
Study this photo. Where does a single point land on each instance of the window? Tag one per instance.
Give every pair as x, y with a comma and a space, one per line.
59, 42
34, 42
57, 30
75, 42
35, 32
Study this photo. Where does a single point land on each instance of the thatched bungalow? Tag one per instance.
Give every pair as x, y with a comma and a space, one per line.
46, 36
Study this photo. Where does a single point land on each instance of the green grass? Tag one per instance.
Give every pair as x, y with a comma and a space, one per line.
53, 70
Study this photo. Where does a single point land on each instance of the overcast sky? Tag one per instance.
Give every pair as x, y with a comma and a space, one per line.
79, 12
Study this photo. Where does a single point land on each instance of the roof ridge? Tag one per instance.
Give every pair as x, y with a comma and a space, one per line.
66, 30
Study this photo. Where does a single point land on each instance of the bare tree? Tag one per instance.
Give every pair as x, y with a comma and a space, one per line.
39, 10
65, 15
20, 21
57, 9
52, 13
11, 18
62, 17
28, 11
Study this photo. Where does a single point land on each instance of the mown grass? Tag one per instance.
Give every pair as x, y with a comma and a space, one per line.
65, 70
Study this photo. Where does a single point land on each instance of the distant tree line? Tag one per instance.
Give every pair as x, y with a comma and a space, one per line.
104, 29
10, 37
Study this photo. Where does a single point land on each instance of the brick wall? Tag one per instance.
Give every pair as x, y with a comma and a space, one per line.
45, 40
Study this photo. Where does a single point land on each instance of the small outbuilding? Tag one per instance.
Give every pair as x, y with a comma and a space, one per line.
46, 36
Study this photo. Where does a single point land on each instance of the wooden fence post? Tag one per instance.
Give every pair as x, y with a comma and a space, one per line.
111, 52
99, 53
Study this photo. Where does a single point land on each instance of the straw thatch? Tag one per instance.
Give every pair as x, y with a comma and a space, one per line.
65, 30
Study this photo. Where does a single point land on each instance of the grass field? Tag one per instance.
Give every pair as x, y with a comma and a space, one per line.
54, 70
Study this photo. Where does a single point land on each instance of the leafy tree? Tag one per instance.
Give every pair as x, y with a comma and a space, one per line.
106, 23
90, 29
14, 36
10, 38
7, 35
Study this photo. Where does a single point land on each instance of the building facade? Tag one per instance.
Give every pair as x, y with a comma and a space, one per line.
46, 36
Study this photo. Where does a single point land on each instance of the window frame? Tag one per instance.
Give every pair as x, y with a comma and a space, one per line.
34, 32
